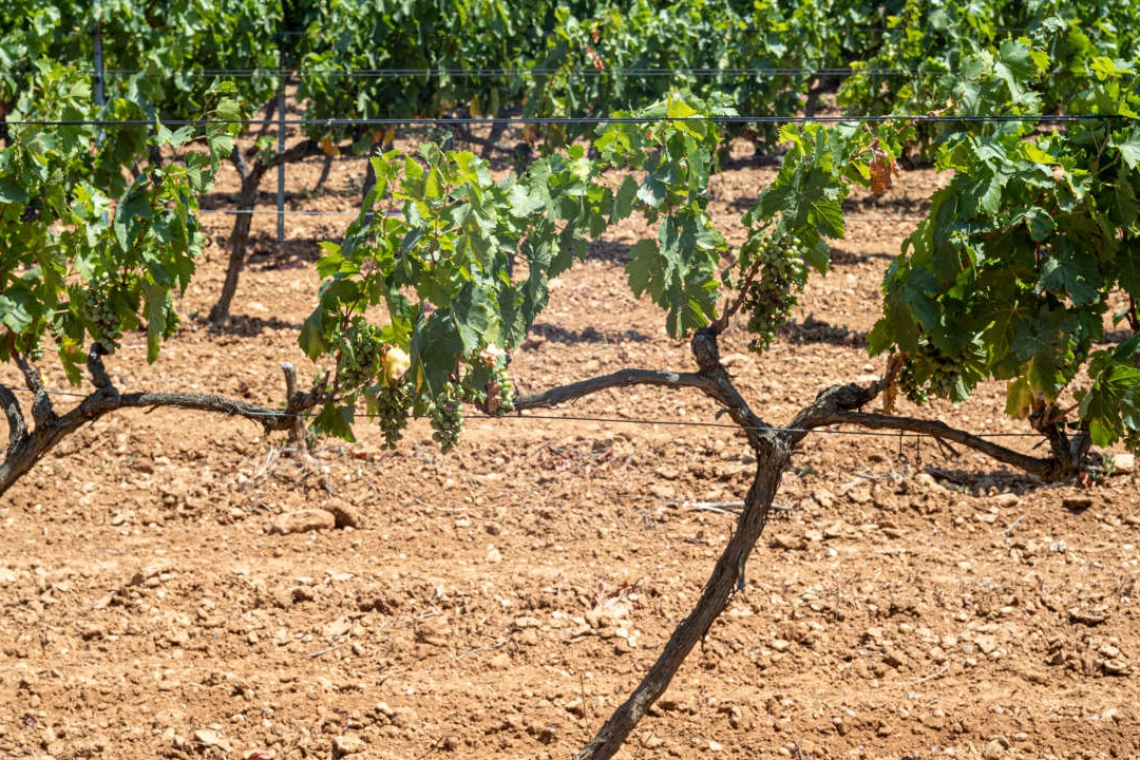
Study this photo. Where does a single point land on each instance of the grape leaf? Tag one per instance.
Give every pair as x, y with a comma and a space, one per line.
436, 349
1073, 272
1129, 148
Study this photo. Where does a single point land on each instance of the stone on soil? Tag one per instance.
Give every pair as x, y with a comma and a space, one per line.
303, 521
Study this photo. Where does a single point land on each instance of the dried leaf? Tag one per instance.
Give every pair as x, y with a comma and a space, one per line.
883, 170
890, 394
329, 147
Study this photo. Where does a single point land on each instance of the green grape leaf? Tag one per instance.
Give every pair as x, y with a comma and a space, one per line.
1110, 406
12, 192
1124, 209
1129, 148
654, 189
1042, 346
624, 199
17, 308
1015, 65
133, 209
475, 319
336, 420
437, 347
312, 337
822, 205
1073, 272
647, 269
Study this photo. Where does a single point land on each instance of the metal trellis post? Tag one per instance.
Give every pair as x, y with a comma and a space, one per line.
281, 164
100, 96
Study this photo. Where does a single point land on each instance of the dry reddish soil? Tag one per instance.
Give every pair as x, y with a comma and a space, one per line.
158, 597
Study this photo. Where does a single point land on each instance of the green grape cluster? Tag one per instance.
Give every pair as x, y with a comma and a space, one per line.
503, 386
770, 298
909, 383
359, 359
390, 405
928, 372
103, 320
488, 384
446, 415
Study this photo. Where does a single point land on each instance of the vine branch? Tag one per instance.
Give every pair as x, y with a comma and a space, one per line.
17, 428
1050, 469
773, 456
620, 379
42, 411
25, 449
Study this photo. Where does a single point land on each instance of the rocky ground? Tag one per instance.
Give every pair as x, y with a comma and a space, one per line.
177, 585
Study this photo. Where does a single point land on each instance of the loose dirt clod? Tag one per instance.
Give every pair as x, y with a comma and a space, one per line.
303, 521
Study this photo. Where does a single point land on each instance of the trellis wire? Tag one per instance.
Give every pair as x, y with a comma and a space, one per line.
624, 421
590, 72
885, 217
583, 71
443, 121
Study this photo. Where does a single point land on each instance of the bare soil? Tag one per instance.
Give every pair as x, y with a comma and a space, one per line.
159, 596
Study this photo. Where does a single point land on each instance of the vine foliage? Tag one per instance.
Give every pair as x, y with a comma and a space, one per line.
88, 251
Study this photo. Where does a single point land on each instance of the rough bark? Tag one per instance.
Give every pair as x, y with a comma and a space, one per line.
620, 379
298, 437
773, 447
773, 456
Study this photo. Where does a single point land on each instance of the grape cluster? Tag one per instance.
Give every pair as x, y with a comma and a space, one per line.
487, 383
390, 406
928, 372
501, 388
770, 298
359, 359
908, 381
446, 415
103, 320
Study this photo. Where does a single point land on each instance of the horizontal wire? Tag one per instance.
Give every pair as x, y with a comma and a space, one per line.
878, 27
442, 121
589, 72
624, 421
273, 212
883, 216
728, 425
